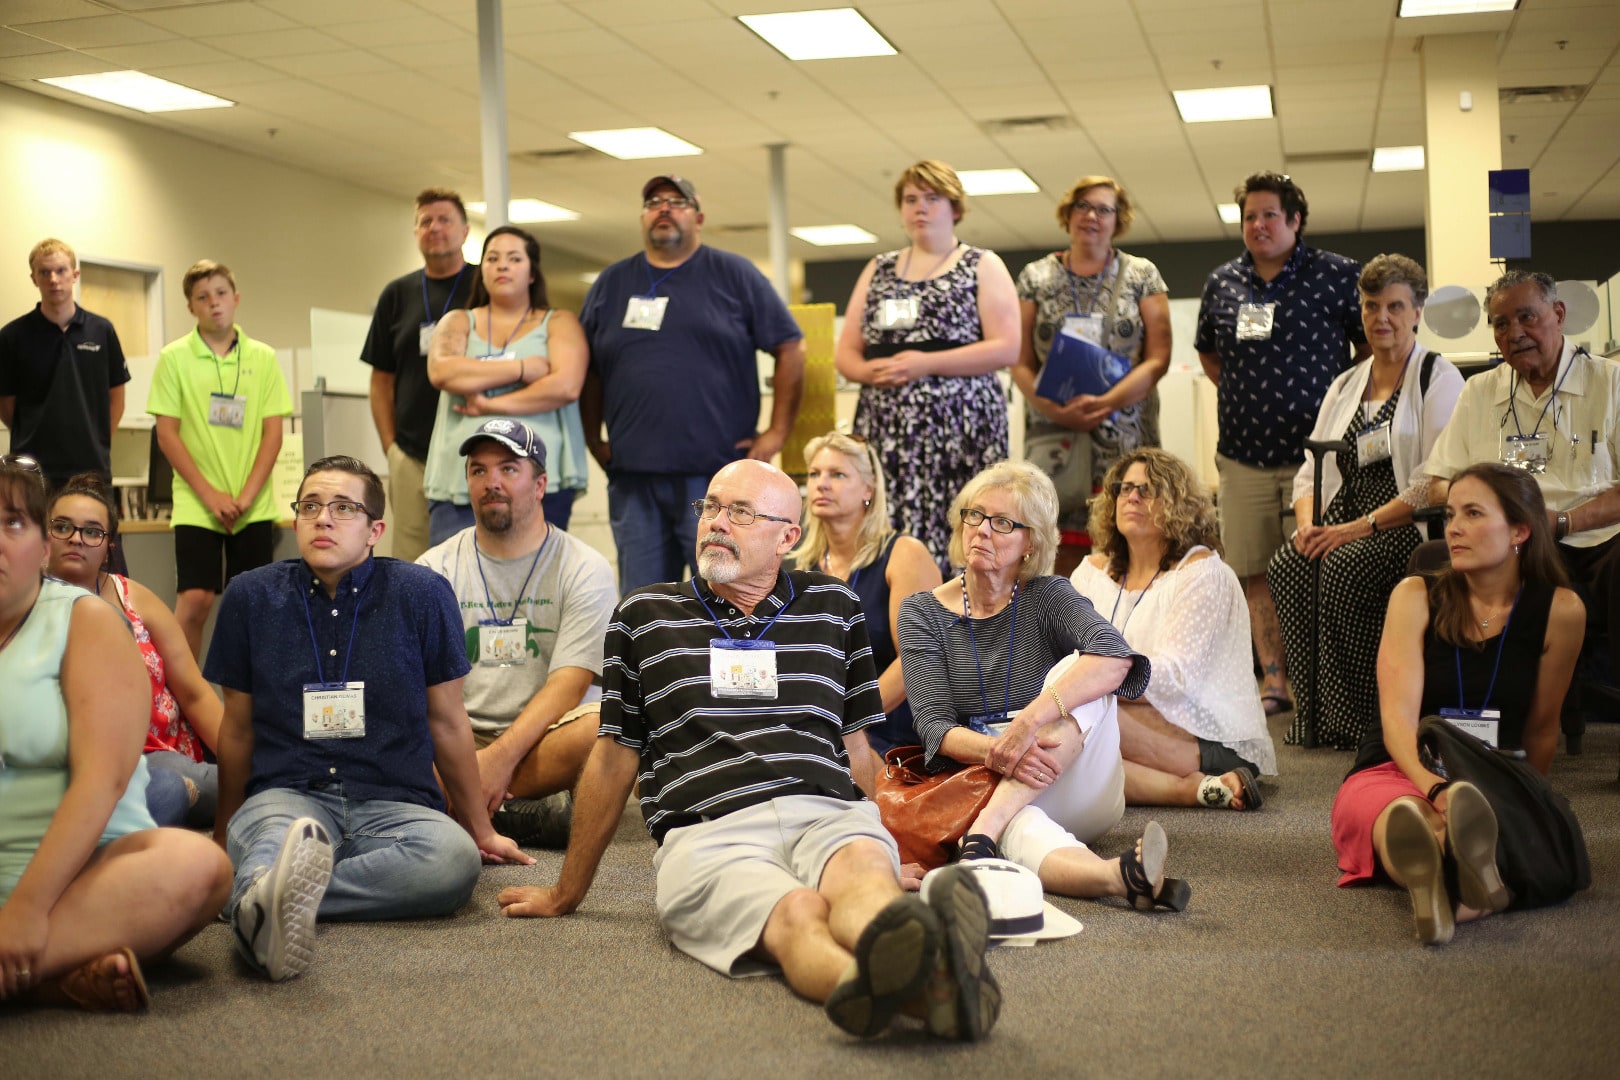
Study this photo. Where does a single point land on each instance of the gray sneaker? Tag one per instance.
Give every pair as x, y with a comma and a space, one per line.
542, 823
275, 919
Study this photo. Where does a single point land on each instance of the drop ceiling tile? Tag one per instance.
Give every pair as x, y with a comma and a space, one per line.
335, 12
160, 54
23, 12
278, 43
15, 44
325, 67
205, 20
414, 29
98, 32
51, 65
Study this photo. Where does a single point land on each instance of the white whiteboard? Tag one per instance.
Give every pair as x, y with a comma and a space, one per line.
335, 341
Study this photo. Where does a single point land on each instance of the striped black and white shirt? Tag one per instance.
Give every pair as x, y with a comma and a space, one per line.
703, 757
942, 679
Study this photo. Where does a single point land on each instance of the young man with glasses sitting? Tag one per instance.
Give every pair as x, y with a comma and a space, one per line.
343, 691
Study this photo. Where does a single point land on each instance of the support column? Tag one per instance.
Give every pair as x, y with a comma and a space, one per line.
1461, 145
492, 111
779, 222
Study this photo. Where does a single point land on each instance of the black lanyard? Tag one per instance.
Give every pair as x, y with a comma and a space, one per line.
219, 373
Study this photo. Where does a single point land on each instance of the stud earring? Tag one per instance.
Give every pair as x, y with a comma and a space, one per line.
867, 503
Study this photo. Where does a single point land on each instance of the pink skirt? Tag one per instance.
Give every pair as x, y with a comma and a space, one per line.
1361, 798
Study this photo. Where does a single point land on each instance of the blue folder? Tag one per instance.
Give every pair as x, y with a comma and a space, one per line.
1075, 366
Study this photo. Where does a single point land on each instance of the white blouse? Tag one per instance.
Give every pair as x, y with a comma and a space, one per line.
1193, 625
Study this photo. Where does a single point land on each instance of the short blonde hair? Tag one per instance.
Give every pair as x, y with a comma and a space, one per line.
875, 528
938, 177
1035, 503
1122, 221
1183, 509
51, 246
202, 270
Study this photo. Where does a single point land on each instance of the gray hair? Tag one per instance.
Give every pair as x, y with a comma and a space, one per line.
1035, 501
1382, 271
1514, 278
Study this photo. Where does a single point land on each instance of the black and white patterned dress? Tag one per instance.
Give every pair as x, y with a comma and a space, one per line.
1356, 582
935, 433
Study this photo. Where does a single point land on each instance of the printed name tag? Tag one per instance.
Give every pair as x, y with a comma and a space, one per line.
1372, 445
982, 723
898, 313
1085, 327
742, 668
1254, 321
424, 337
503, 644
1527, 452
226, 411
1482, 724
645, 312
334, 711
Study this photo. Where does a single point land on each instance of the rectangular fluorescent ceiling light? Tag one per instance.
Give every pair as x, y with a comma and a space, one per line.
833, 235
1230, 212
528, 210
831, 34
996, 182
1414, 9
630, 143
1397, 159
1224, 103
135, 90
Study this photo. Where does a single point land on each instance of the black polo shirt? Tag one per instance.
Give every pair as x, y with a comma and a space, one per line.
61, 380
394, 345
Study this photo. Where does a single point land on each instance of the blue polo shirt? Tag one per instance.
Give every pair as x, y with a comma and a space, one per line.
1270, 391
407, 638
678, 399
62, 379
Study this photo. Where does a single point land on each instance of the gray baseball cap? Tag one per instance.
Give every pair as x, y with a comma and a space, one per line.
679, 183
515, 435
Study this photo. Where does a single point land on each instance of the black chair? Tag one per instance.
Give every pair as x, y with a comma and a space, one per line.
159, 475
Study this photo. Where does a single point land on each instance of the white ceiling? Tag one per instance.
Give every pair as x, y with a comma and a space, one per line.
384, 94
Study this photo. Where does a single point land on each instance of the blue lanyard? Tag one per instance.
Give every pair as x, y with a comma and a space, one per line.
454, 285
1495, 667
1267, 287
1012, 639
219, 373
320, 669
723, 629
1096, 295
494, 615
652, 285
509, 337
1512, 393
1134, 606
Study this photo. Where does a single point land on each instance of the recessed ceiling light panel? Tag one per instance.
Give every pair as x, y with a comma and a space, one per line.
830, 34
1224, 103
139, 91
833, 235
527, 211
996, 182
1398, 159
628, 144
1230, 212
1415, 9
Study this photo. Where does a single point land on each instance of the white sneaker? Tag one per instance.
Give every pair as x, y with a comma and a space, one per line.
275, 919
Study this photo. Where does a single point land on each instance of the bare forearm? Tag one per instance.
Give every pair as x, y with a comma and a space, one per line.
541, 396
966, 745
382, 406
264, 462
787, 389
1598, 512
892, 687
180, 460
604, 785
466, 375
1138, 383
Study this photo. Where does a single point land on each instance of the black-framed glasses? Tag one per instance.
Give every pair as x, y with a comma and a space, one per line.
1121, 489
1102, 213
674, 202
92, 535
342, 509
998, 522
25, 462
737, 515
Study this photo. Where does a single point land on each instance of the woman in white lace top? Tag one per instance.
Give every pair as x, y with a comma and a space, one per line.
1198, 736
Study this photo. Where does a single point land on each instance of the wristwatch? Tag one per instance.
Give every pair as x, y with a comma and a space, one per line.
1562, 529
1372, 523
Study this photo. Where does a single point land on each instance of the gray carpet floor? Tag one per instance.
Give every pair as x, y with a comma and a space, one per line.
1272, 971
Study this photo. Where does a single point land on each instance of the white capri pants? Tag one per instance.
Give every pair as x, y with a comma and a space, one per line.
1085, 801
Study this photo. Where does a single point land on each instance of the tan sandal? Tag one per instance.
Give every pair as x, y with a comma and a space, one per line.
98, 986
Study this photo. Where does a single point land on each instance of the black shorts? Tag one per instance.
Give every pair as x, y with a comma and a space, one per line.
205, 559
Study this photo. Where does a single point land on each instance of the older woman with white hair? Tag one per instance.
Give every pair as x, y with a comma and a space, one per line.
847, 534
1006, 665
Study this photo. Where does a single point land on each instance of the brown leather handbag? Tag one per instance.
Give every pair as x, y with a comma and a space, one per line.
927, 813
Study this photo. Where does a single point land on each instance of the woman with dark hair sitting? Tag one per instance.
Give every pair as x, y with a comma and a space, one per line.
185, 714
1492, 641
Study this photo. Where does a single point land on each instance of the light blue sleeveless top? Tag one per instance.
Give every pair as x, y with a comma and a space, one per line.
445, 479
34, 737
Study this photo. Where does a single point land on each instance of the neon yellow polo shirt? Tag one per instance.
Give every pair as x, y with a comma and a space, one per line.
188, 374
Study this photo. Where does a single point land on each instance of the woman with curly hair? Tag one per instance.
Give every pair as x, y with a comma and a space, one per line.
1198, 736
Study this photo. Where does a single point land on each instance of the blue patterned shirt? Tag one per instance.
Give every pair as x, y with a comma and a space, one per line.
1270, 391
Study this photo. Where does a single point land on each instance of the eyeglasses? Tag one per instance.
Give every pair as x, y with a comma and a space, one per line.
674, 202
21, 461
974, 518
1123, 489
342, 509
737, 515
1100, 212
93, 535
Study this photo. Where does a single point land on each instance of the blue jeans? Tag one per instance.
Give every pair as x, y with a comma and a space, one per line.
390, 860
445, 519
169, 800
654, 528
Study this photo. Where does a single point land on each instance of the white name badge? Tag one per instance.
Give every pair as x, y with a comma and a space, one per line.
1085, 327
1482, 724
424, 337
224, 410
898, 313
1254, 321
742, 668
1527, 452
334, 712
499, 356
503, 644
645, 312
1372, 445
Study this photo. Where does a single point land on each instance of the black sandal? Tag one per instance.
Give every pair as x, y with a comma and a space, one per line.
977, 846
1138, 874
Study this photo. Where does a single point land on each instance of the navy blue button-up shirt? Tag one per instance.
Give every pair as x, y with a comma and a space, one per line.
407, 639
1270, 391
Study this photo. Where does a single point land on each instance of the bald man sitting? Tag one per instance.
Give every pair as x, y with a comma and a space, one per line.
739, 699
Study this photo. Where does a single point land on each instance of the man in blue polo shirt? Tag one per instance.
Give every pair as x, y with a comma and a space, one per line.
673, 333
1276, 325
342, 677
62, 374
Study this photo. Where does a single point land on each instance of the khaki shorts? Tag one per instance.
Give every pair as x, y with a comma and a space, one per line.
407, 505
1253, 503
483, 738
719, 881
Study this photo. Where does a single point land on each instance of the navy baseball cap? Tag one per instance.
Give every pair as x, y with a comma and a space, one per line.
515, 435
679, 183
